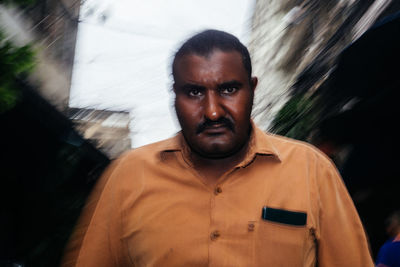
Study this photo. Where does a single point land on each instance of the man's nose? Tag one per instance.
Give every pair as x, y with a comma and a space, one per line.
213, 109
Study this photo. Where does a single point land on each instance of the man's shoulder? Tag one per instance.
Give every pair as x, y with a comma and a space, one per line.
287, 143
289, 147
128, 168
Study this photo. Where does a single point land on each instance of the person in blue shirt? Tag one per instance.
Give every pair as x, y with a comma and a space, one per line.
389, 253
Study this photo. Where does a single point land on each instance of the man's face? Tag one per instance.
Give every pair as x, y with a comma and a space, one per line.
213, 102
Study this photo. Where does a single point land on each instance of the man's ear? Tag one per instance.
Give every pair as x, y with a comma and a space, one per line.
174, 87
253, 83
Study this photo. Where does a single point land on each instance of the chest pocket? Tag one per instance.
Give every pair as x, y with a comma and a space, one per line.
280, 238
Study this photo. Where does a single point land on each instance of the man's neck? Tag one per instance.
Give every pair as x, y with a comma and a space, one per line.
211, 169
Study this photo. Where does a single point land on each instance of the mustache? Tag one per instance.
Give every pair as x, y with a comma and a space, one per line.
225, 122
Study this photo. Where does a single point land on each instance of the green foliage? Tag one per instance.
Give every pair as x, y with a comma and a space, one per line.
15, 63
297, 117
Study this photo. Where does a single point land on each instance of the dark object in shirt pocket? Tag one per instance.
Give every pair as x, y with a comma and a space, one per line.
284, 216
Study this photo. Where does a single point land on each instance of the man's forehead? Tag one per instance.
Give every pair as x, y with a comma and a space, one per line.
213, 63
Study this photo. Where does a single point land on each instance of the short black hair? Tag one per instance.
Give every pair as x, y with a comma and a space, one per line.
205, 42
394, 218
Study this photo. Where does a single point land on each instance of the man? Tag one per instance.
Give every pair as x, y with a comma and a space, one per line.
221, 192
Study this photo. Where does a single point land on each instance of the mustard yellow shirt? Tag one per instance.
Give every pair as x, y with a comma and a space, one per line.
151, 208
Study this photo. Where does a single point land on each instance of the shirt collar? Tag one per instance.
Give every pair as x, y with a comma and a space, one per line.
260, 144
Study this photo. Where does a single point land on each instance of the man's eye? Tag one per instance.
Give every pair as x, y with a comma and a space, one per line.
194, 92
228, 90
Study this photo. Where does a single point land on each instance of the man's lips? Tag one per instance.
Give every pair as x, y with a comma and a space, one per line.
216, 128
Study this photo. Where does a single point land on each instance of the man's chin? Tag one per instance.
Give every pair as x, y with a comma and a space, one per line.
210, 146
216, 151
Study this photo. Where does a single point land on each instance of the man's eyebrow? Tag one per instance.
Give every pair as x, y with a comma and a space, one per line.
188, 86
232, 83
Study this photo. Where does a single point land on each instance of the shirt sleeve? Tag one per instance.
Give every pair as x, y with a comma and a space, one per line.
341, 239
95, 240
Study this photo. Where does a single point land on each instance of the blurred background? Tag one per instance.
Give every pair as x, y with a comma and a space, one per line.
83, 81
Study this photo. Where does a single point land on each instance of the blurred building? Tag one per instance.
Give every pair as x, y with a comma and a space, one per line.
47, 171
295, 44
108, 130
51, 27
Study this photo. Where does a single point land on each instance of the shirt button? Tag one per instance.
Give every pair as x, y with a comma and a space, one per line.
251, 226
214, 235
217, 190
